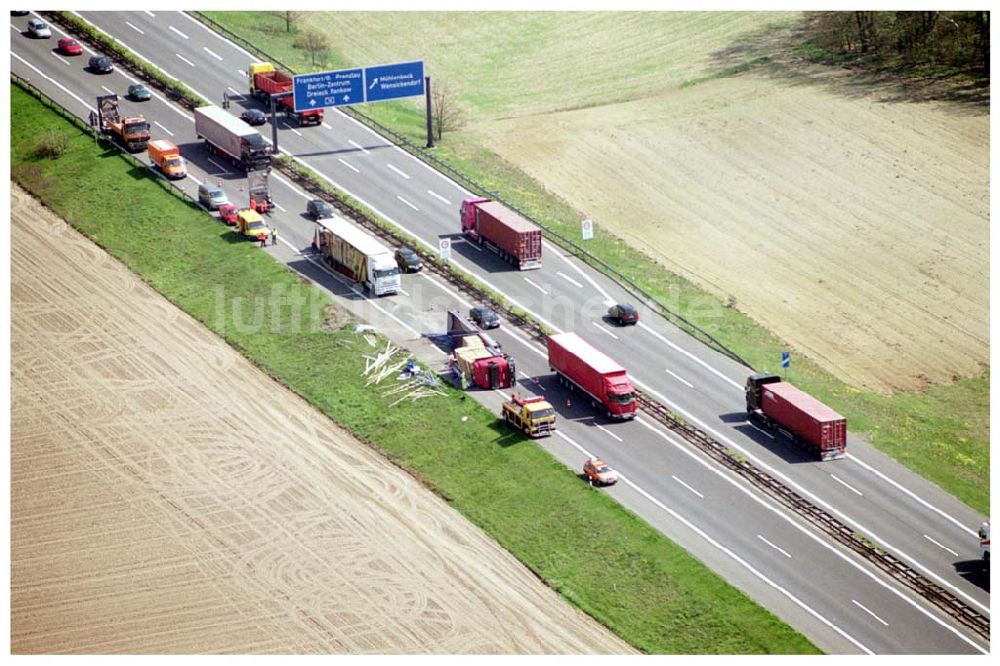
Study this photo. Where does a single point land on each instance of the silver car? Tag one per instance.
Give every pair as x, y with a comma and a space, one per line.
211, 196
38, 29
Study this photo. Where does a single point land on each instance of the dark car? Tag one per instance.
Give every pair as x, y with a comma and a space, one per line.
408, 260
623, 314
484, 317
254, 117
19, 12
70, 47
139, 93
100, 64
318, 209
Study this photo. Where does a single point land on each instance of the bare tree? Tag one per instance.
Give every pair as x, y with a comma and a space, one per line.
290, 18
313, 42
445, 112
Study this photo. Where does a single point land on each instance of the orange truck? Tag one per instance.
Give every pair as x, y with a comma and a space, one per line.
167, 158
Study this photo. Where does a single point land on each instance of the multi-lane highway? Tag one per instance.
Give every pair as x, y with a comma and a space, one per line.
838, 601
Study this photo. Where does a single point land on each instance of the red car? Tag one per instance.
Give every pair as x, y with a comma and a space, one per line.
69, 46
227, 212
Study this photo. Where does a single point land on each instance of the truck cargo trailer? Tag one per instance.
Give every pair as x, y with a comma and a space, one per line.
501, 230
802, 418
580, 365
352, 252
230, 137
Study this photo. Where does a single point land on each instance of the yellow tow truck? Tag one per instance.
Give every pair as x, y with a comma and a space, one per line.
249, 223
533, 416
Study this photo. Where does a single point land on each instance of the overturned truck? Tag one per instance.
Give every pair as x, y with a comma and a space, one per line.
478, 359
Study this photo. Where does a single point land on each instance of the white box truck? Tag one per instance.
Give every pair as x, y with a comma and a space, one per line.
352, 252
230, 137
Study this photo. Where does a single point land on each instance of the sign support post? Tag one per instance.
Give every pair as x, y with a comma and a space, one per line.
427, 96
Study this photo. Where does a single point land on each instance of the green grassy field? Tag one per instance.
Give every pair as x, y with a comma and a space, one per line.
941, 433
592, 551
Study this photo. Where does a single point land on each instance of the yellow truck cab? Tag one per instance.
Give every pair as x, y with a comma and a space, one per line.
535, 417
249, 223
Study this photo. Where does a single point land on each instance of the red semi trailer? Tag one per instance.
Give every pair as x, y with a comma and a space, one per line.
501, 230
796, 414
580, 365
267, 80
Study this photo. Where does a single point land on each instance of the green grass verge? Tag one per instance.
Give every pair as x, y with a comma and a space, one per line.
941, 433
596, 554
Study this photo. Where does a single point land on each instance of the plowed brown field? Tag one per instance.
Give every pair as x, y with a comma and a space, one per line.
168, 497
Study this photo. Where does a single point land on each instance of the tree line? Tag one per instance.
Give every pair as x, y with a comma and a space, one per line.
958, 39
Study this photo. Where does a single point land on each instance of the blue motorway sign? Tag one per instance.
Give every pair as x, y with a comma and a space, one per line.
786, 359
315, 91
401, 79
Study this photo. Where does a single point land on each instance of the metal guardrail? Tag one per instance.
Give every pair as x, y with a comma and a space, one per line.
566, 243
825, 522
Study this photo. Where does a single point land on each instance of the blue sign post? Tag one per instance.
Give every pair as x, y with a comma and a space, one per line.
401, 79
339, 88
786, 360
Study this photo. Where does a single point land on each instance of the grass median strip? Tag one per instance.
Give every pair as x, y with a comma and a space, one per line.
942, 432
596, 554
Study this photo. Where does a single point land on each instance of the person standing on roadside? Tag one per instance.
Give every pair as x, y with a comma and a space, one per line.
263, 239
274, 236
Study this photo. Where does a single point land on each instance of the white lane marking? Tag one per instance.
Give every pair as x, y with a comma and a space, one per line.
760, 430
407, 202
178, 31
184, 59
163, 128
295, 130
604, 330
438, 196
149, 12
241, 73
533, 380
348, 165
569, 279
965, 528
679, 378
218, 165
687, 486
783, 552
736, 558
474, 246
398, 171
233, 90
692, 357
60, 58
109, 90
197, 182
278, 206
289, 185
211, 53
358, 146
608, 431
54, 82
561, 253
847, 485
327, 125
796, 524
869, 612
941, 545
536, 286
370, 301
218, 36
134, 28
819, 501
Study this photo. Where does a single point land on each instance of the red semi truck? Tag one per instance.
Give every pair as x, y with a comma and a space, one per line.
580, 365
477, 358
797, 415
267, 80
503, 231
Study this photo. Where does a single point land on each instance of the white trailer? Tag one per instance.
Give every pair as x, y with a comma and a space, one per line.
352, 252
227, 135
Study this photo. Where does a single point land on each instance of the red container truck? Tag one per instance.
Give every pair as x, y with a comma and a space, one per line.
501, 230
581, 366
267, 80
797, 415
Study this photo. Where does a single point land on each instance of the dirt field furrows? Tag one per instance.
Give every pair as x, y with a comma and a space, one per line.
167, 497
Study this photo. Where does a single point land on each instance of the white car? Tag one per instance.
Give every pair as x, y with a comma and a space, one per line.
38, 29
